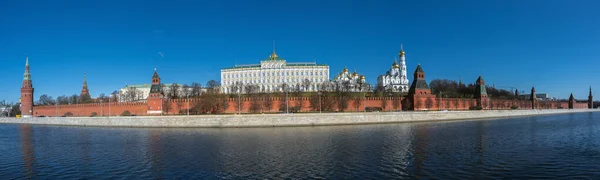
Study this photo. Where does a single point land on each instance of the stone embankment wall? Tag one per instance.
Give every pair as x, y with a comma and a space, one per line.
275, 120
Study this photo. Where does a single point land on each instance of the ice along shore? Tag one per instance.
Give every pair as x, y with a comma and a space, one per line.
283, 120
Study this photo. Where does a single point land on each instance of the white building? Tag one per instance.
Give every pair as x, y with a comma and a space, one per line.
395, 79
272, 73
140, 92
355, 82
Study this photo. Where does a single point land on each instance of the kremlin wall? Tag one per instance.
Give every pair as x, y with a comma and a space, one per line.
419, 98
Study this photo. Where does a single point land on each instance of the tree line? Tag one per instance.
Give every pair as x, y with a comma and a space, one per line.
452, 89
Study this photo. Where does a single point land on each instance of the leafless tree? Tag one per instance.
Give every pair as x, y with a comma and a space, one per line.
306, 84
196, 90
186, 91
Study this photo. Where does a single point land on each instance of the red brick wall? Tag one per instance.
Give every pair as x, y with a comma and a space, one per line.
138, 108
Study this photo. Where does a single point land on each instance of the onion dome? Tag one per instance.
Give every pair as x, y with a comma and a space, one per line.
395, 65
345, 70
362, 77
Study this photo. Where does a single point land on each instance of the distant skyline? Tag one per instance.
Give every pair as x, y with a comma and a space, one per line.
549, 44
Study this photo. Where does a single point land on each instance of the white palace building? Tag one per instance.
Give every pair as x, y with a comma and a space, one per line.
272, 73
395, 80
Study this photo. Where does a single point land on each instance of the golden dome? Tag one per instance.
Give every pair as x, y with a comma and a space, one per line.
345, 70
362, 77
273, 56
401, 53
355, 74
395, 65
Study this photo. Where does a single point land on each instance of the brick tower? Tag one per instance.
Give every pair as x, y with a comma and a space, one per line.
84, 88
517, 94
590, 100
27, 92
533, 98
155, 98
419, 93
85, 97
481, 93
571, 101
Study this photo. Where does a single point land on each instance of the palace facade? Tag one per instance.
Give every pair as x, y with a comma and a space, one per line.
395, 80
272, 74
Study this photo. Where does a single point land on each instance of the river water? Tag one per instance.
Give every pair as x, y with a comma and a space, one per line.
563, 146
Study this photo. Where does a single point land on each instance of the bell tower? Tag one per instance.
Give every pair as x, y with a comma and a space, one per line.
26, 92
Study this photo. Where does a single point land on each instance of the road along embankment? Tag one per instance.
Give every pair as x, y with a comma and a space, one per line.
281, 120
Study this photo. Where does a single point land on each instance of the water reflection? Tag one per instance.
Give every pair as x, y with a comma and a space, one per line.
27, 150
560, 146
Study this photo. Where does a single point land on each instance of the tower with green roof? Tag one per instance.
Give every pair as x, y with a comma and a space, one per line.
481, 95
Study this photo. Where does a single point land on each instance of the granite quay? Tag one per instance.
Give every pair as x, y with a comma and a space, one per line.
282, 120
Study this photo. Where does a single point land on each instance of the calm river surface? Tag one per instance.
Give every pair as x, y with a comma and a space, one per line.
558, 147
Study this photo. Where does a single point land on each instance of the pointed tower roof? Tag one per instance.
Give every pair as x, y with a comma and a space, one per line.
85, 79
27, 74
419, 69
590, 90
571, 97
480, 87
155, 75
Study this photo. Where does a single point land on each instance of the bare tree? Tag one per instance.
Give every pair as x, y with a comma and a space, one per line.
186, 91
45, 100
173, 91
428, 103
455, 103
267, 102
306, 84
213, 86
384, 102
196, 90
356, 103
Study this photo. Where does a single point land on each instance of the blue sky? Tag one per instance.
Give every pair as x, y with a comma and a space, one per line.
552, 45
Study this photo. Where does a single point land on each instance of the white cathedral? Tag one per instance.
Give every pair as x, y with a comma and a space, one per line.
395, 80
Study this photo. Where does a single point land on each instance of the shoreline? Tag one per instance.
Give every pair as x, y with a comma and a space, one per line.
284, 120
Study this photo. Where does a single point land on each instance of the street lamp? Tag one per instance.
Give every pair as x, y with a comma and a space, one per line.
287, 109
239, 100
109, 97
390, 95
364, 101
187, 97
319, 100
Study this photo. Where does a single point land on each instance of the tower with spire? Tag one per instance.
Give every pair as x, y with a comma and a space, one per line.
85, 97
571, 101
26, 92
590, 99
395, 79
156, 96
533, 98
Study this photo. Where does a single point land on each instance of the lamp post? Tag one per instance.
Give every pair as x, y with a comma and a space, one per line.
440, 101
287, 108
319, 101
364, 101
101, 110
56, 109
187, 97
390, 95
239, 100
109, 97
